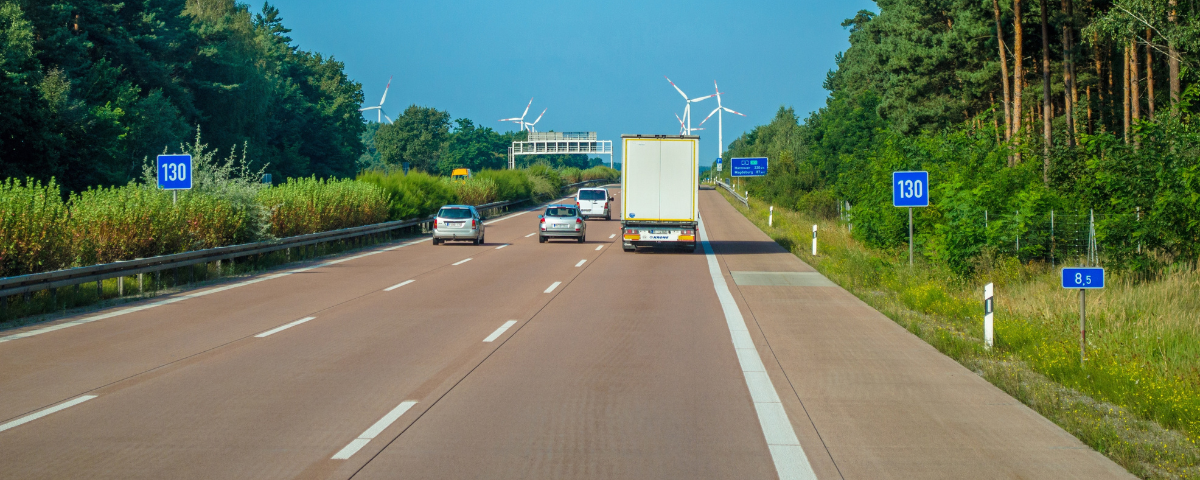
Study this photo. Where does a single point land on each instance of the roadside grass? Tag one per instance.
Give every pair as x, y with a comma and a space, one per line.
1137, 397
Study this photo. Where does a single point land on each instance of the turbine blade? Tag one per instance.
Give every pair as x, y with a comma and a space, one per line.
385, 90
715, 110
731, 111
368, 108
389, 119
508, 119
527, 108
540, 117
706, 97
676, 88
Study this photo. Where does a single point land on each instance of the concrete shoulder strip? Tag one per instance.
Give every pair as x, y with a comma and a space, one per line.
789, 458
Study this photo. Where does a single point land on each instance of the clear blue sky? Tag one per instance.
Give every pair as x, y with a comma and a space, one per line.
597, 66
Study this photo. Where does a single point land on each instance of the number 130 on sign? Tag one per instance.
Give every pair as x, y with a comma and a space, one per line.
910, 189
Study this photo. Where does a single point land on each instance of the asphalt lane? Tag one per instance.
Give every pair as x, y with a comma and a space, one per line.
512, 360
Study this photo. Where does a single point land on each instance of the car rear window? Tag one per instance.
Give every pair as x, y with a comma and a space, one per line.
560, 212
592, 195
454, 213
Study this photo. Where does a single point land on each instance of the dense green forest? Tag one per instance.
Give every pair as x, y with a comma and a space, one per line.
1036, 121
90, 89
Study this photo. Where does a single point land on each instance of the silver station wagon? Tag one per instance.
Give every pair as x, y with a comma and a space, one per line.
561, 221
458, 222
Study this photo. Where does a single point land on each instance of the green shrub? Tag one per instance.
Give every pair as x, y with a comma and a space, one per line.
600, 172
570, 175
34, 230
309, 205
473, 191
414, 195
510, 184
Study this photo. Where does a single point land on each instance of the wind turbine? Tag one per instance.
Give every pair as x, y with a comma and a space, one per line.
530, 125
379, 108
720, 123
687, 109
521, 119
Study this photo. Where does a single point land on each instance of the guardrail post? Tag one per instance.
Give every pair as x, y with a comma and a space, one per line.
140, 289
120, 286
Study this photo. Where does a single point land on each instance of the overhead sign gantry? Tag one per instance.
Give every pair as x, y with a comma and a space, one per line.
559, 143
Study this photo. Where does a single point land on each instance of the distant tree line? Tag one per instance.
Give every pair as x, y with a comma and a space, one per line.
424, 138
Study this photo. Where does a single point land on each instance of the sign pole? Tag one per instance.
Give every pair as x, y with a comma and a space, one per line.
1082, 325
910, 240
174, 197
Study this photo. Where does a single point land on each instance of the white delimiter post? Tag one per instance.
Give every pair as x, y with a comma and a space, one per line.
987, 316
771, 216
814, 240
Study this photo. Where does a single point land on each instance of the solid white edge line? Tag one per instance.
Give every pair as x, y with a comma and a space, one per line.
36, 415
786, 453
181, 298
502, 246
283, 327
552, 287
398, 285
499, 331
530, 235
460, 262
581, 262
598, 247
373, 431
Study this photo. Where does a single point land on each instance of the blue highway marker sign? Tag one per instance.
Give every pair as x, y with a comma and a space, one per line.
748, 167
175, 172
910, 189
1081, 277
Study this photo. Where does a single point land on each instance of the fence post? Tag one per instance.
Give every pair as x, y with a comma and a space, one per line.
1017, 224
1052, 242
1139, 219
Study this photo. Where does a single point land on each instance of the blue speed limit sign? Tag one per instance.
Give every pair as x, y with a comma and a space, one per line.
175, 172
910, 189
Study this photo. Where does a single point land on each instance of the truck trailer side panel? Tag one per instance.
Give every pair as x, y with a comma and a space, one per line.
639, 179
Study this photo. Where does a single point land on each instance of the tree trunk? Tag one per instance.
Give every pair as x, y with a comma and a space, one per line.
1125, 90
1149, 77
1070, 95
1090, 126
1018, 77
1099, 80
1173, 60
1003, 72
1135, 97
1047, 109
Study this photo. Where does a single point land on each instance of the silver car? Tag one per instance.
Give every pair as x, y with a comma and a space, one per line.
458, 222
561, 221
594, 202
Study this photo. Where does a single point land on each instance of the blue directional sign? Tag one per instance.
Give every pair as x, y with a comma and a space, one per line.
910, 189
1081, 277
175, 172
748, 167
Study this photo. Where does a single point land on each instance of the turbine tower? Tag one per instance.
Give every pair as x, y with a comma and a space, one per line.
521, 119
379, 108
686, 121
720, 124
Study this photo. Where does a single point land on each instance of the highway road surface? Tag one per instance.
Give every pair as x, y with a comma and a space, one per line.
514, 360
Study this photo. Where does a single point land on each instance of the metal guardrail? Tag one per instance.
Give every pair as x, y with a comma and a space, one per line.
94, 273
745, 200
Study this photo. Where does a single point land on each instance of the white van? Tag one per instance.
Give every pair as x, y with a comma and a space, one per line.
594, 202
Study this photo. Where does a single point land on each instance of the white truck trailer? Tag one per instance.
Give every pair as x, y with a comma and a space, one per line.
659, 180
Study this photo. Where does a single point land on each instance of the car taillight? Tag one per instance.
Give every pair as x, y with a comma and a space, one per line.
578, 220
435, 223
472, 223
